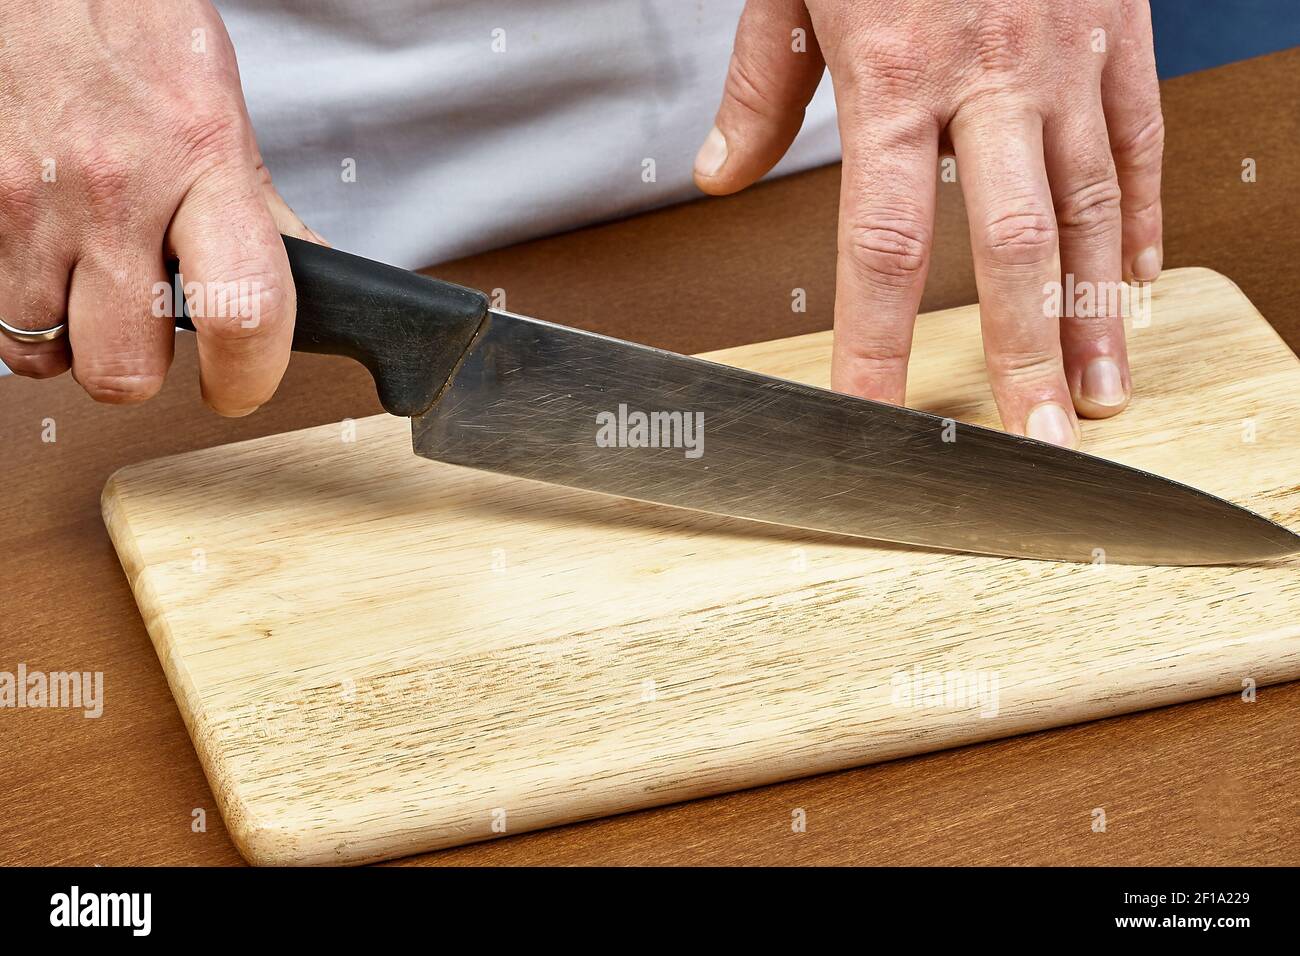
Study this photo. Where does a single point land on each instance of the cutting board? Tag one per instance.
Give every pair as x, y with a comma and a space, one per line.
377, 655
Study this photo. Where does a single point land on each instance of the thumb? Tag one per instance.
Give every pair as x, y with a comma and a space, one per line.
775, 68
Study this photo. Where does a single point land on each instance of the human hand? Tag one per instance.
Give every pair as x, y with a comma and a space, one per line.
1053, 112
124, 141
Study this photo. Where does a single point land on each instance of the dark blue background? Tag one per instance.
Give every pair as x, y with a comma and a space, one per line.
1198, 34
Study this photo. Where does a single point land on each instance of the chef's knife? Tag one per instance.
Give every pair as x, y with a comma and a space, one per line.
504, 393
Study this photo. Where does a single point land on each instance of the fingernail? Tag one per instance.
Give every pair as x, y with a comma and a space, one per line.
1049, 422
1102, 382
712, 154
1147, 264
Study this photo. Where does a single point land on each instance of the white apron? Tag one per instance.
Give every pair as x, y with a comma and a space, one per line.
416, 131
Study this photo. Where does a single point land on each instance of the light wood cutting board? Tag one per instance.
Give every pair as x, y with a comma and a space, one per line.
377, 655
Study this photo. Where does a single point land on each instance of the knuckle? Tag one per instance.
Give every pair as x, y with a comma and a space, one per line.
40, 303
882, 357
746, 90
889, 66
235, 311
1091, 207
1099, 326
106, 175
207, 138
35, 364
999, 40
875, 366
120, 388
1144, 146
1019, 362
1021, 237
891, 246
262, 173
20, 199
1133, 208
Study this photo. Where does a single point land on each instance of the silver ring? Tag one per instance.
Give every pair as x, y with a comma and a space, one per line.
32, 335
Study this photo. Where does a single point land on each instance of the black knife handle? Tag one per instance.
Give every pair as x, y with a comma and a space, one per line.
409, 330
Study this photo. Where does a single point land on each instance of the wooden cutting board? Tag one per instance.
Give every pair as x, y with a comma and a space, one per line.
377, 655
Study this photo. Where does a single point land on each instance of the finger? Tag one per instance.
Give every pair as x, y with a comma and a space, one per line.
121, 349
33, 295
36, 359
1013, 240
286, 220
1131, 97
775, 68
887, 203
238, 288
1087, 199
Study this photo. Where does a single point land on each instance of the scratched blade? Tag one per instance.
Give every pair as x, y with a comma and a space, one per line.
531, 398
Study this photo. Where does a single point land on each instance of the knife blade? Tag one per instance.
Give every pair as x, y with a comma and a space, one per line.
504, 393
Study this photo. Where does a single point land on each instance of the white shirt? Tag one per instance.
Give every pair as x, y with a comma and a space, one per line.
472, 125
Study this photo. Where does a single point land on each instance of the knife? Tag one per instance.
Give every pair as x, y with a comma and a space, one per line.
499, 392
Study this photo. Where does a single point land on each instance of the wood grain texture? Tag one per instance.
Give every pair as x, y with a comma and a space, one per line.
1208, 782
378, 655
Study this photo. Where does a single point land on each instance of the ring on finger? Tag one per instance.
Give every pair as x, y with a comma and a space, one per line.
32, 336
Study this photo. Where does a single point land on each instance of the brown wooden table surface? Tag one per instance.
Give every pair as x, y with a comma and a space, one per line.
1212, 782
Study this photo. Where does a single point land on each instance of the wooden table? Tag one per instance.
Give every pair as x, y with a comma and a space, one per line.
1213, 782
